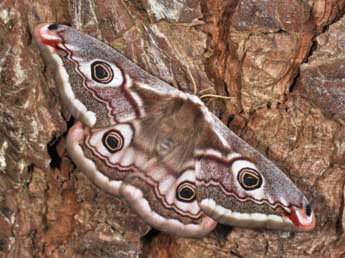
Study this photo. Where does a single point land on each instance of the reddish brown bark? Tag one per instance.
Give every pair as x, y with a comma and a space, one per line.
275, 59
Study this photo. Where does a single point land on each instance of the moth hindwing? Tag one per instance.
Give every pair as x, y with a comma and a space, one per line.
178, 166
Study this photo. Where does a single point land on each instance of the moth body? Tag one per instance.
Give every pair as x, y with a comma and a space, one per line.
178, 166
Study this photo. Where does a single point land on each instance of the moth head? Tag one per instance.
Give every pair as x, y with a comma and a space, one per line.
88, 77
251, 192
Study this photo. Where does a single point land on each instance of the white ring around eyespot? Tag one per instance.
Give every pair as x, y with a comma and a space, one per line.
239, 164
236, 167
85, 68
96, 142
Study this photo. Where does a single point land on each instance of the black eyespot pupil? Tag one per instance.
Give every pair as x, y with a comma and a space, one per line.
112, 142
101, 73
250, 180
186, 193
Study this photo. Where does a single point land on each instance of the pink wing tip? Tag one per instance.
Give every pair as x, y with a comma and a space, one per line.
303, 218
47, 33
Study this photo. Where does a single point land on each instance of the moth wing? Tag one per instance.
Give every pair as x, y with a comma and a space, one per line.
94, 80
155, 198
240, 187
112, 96
163, 189
154, 168
103, 90
104, 154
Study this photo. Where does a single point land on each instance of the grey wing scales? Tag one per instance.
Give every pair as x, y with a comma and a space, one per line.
177, 165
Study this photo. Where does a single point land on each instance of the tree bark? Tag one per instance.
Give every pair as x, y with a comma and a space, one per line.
279, 63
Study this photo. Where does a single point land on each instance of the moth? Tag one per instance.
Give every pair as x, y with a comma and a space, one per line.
178, 166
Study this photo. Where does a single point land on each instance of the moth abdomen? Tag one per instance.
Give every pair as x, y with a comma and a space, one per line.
178, 166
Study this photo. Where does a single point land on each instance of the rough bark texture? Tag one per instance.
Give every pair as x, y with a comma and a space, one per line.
281, 63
